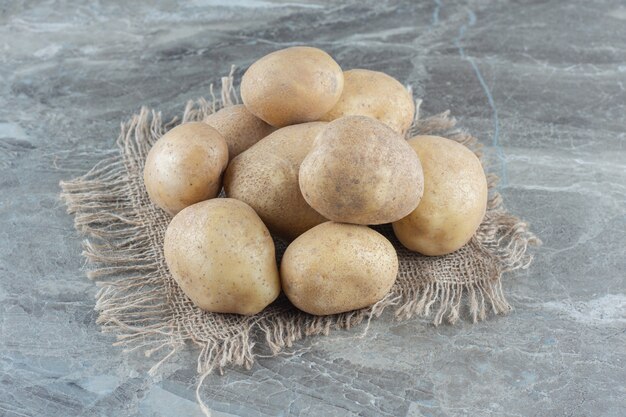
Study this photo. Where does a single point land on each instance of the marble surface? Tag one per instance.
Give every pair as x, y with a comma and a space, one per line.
543, 84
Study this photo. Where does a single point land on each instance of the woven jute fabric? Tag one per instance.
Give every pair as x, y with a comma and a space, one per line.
141, 303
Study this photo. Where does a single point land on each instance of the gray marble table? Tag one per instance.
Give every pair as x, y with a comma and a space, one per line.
543, 84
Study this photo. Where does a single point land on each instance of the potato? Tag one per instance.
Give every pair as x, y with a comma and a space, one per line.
240, 128
337, 267
360, 171
374, 94
454, 201
266, 177
293, 85
185, 166
222, 256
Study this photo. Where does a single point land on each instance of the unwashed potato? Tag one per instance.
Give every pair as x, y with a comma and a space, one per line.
266, 177
240, 128
454, 200
222, 256
293, 85
374, 94
337, 267
361, 171
185, 166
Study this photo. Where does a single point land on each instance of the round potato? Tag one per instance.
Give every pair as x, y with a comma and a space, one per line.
222, 256
185, 166
454, 201
293, 85
240, 128
266, 177
360, 171
374, 94
337, 267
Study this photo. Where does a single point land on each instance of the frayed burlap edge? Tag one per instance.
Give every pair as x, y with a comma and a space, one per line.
504, 235
134, 300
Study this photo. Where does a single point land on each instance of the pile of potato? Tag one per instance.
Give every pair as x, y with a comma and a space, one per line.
314, 155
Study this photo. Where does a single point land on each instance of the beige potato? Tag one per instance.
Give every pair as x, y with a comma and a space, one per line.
293, 85
185, 166
337, 267
374, 94
240, 128
454, 200
361, 171
222, 256
266, 177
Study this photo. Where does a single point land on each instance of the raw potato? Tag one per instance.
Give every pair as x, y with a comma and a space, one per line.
293, 85
185, 166
454, 201
337, 267
240, 128
222, 256
266, 177
374, 94
360, 171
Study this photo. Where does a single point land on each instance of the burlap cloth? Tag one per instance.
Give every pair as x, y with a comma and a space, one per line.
141, 303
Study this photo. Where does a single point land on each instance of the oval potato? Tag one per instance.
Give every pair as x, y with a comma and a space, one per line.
240, 128
266, 177
185, 166
377, 95
454, 200
337, 267
361, 171
222, 256
293, 85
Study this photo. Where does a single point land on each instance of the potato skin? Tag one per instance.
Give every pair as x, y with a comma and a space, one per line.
293, 85
222, 256
374, 94
454, 200
336, 267
266, 177
240, 128
361, 171
185, 166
